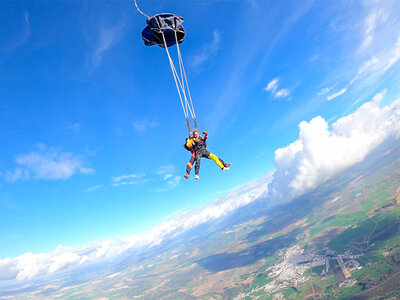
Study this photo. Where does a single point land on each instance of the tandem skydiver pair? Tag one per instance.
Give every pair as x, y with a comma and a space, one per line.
198, 146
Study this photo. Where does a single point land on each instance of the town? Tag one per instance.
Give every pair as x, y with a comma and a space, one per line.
291, 272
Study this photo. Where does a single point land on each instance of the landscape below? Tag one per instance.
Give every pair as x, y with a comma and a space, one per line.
339, 241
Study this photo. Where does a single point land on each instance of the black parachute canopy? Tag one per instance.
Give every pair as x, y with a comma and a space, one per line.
166, 24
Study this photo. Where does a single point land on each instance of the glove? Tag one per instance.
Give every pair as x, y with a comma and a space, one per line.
205, 132
196, 140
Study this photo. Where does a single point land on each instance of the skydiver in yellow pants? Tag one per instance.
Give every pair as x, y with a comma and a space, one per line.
199, 146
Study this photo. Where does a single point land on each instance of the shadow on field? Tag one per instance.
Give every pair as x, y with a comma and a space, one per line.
225, 261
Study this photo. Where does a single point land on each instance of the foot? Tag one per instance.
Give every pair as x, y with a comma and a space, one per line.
227, 165
224, 169
186, 176
197, 177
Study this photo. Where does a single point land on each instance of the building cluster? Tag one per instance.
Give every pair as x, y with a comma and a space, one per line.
291, 271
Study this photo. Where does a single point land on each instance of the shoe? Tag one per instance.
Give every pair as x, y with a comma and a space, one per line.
224, 169
197, 177
227, 165
186, 176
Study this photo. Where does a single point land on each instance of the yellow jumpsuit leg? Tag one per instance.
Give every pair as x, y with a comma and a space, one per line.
216, 160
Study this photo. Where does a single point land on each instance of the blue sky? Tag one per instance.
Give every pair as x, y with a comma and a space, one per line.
91, 128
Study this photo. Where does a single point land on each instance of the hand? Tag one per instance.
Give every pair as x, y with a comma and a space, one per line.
205, 132
196, 140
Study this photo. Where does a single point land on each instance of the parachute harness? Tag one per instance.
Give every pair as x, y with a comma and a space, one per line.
180, 79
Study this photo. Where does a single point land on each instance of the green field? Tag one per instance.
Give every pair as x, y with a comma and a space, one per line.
380, 269
318, 269
340, 220
346, 293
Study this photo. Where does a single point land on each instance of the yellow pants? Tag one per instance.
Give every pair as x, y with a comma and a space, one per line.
204, 153
216, 160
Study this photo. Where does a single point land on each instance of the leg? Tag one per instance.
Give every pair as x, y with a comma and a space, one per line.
190, 163
220, 163
198, 159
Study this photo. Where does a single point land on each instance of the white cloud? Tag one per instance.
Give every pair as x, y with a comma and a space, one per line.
21, 38
272, 87
167, 176
337, 94
9, 237
379, 63
108, 36
253, 3
375, 17
64, 260
7, 203
323, 91
142, 126
93, 188
208, 50
30, 265
17, 174
282, 93
394, 56
86, 171
326, 90
165, 169
118, 132
174, 181
319, 153
47, 163
167, 172
128, 179
130, 176
73, 126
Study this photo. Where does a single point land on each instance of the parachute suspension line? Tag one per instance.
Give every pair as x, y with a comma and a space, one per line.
182, 68
176, 78
180, 82
140, 10
182, 85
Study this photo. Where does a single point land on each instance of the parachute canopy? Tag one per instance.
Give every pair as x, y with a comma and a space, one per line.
166, 30
163, 24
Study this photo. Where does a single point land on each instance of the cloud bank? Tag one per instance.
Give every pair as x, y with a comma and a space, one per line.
321, 152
